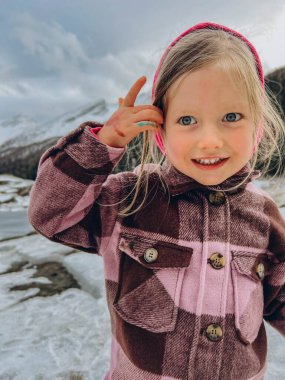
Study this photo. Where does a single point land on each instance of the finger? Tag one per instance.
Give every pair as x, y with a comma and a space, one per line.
145, 107
131, 96
147, 114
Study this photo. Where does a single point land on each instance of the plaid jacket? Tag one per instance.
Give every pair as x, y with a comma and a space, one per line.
189, 278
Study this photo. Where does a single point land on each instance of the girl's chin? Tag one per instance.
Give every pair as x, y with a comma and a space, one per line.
206, 178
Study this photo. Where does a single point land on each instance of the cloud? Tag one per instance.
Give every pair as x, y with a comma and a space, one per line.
54, 55
8, 91
55, 47
69, 71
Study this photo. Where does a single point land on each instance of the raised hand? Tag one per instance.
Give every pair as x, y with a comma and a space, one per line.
121, 127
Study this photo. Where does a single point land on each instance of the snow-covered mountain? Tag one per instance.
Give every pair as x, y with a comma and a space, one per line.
23, 139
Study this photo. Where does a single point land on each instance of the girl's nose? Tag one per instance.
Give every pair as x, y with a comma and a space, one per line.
210, 138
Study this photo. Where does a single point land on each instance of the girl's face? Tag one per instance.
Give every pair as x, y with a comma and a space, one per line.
208, 116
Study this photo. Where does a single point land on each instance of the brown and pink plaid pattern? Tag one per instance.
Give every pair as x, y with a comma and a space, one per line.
165, 313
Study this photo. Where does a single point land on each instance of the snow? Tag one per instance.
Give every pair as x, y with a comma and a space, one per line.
66, 335
57, 336
15, 126
12, 190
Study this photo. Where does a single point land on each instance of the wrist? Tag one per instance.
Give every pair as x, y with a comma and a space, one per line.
107, 137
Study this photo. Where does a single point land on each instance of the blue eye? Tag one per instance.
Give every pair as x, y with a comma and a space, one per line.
187, 120
230, 116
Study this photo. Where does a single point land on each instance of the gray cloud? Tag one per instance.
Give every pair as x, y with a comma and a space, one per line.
55, 47
57, 55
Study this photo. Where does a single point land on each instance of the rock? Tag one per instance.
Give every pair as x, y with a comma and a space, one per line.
60, 279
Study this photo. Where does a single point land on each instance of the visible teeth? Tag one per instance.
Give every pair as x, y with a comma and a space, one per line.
210, 161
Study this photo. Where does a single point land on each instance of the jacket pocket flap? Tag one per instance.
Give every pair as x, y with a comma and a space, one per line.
253, 265
166, 255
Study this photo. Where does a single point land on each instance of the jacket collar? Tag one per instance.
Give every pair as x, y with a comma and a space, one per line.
179, 183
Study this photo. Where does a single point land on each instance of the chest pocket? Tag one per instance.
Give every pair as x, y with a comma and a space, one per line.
248, 272
150, 281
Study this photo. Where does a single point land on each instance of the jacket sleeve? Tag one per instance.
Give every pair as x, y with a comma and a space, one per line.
274, 282
73, 186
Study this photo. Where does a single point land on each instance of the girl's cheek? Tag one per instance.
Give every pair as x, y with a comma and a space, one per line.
243, 139
178, 148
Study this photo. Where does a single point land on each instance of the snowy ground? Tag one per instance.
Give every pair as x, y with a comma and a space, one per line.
54, 324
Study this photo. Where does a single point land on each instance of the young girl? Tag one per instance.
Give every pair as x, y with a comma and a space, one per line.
194, 253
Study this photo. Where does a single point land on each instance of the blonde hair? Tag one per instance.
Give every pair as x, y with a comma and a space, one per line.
192, 52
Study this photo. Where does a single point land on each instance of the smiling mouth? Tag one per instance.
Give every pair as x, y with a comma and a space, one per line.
210, 166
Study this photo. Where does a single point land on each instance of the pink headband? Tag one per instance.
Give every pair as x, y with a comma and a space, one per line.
209, 25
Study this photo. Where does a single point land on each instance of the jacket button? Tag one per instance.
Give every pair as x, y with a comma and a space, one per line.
214, 332
150, 255
260, 270
217, 260
216, 197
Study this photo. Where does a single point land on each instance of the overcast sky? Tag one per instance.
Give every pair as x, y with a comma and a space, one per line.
56, 56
